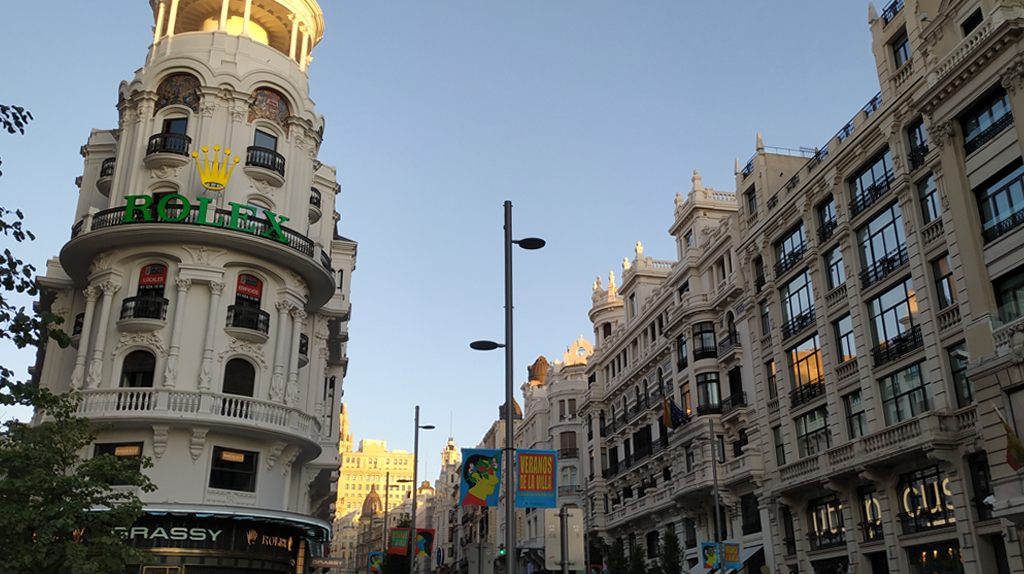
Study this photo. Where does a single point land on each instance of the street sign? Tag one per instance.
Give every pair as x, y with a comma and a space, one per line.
327, 562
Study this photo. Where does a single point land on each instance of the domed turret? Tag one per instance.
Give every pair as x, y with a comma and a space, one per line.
372, 504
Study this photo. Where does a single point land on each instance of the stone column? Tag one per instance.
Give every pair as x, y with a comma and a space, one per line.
245, 17
305, 47
172, 19
294, 36
223, 23
205, 375
292, 395
171, 372
78, 376
280, 352
159, 21
96, 366
320, 334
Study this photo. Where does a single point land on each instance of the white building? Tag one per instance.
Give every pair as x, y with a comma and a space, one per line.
208, 289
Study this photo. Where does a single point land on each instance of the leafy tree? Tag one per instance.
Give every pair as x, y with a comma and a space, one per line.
58, 512
396, 563
615, 561
637, 563
670, 557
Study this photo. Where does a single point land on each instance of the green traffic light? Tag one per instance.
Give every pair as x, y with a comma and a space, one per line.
501, 550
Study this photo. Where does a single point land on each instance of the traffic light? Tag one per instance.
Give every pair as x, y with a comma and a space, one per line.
501, 550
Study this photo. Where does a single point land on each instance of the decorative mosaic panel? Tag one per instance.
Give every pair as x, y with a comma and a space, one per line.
269, 105
178, 89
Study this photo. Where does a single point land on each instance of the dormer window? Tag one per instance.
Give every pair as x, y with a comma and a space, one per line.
972, 22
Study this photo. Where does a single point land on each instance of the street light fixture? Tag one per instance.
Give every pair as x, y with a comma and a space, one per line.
510, 519
415, 455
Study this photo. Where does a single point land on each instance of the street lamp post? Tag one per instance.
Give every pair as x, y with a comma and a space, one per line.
415, 456
510, 519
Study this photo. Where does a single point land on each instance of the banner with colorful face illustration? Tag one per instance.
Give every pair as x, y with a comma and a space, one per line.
399, 542
376, 559
424, 542
709, 555
481, 477
535, 478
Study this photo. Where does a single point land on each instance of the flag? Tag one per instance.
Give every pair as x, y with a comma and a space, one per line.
671, 415
1014, 448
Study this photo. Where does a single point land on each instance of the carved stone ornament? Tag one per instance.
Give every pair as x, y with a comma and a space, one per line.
171, 372
109, 288
283, 306
251, 350
216, 287
277, 387
291, 398
205, 375
262, 186
297, 314
208, 110
77, 376
149, 340
159, 440
198, 442
1012, 76
203, 255
95, 374
940, 133
165, 172
274, 452
183, 284
1017, 344
102, 261
288, 458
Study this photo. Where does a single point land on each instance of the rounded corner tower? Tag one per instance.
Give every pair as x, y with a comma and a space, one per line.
207, 289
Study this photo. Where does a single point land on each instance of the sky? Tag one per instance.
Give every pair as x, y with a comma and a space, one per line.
589, 115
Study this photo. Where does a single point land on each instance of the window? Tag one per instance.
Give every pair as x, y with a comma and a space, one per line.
929, 193
972, 22
981, 480
751, 514
918, 139
844, 339
826, 522
632, 305
720, 447
122, 452
883, 246
812, 434
233, 470
704, 341
780, 447
751, 197
769, 373
759, 279
766, 319
945, 287
688, 239
691, 458
797, 304
905, 394
900, 49
239, 378
175, 126
789, 250
856, 420
246, 313
834, 265
894, 325
265, 140
708, 397
1009, 291
871, 512
652, 544
925, 500
963, 386
1001, 203
137, 370
986, 120
805, 362
871, 183
826, 219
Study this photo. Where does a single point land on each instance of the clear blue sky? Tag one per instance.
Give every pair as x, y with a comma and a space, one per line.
588, 114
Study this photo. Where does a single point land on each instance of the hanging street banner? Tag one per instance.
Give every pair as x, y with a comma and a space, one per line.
481, 476
399, 542
731, 556
424, 542
376, 558
535, 478
709, 555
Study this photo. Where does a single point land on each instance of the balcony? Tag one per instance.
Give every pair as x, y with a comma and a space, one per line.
788, 260
917, 155
248, 324
806, 392
759, 282
732, 341
871, 194
167, 150
142, 314
106, 176
265, 165
733, 402
826, 539
1004, 226
568, 453
262, 419
798, 323
314, 205
709, 409
705, 353
898, 346
988, 134
827, 229
925, 519
892, 10
884, 266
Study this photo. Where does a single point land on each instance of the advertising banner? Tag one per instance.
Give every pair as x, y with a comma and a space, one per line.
399, 542
709, 555
481, 477
731, 556
535, 478
376, 559
424, 542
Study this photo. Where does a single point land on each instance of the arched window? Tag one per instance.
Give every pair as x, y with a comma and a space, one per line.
137, 369
182, 89
239, 378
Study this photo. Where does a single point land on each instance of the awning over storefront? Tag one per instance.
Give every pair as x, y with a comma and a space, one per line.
745, 554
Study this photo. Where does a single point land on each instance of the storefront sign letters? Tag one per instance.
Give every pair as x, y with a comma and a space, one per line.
175, 533
141, 206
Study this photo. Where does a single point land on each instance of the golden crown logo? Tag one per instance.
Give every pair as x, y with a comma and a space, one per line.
215, 176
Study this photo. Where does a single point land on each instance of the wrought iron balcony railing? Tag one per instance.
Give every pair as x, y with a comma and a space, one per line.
892, 10
788, 260
870, 194
314, 197
900, 345
169, 143
107, 167
1013, 221
265, 158
144, 308
733, 402
988, 134
710, 409
759, 282
568, 453
885, 265
248, 318
710, 352
826, 229
917, 155
798, 323
806, 392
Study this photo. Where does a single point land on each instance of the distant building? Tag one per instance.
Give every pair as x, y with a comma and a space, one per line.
372, 465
